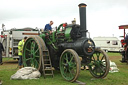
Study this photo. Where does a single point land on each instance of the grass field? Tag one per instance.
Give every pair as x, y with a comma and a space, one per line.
120, 78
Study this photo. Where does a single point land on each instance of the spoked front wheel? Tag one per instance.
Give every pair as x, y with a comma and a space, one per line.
99, 65
70, 65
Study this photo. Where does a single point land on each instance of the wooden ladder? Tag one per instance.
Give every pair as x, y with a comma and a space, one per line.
46, 63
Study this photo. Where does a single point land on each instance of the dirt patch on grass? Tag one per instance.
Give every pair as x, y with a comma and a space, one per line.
115, 57
11, 64
15, 62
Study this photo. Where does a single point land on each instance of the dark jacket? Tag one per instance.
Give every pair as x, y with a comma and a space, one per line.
1, 47
47, 27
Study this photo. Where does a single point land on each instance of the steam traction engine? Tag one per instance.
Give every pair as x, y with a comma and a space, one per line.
66, 50
124, 42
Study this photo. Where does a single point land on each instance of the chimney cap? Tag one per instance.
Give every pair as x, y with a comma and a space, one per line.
82, 5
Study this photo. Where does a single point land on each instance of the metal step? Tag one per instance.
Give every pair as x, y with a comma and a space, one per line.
49, 74
45, 55
47, 64
49, 68
46, 59
45, 50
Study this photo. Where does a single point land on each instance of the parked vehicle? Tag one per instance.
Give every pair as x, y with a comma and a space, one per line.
66, 50
109, 44
10, 39
124, 42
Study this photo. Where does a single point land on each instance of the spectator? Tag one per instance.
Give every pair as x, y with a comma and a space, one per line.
74, 21
1, 82
126, 39
1, 49
20, 50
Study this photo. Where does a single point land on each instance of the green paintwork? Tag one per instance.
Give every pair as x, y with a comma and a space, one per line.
60, 26
67, 33
55, 36
42, 35
51, 39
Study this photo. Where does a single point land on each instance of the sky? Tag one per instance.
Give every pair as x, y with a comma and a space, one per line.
103, 16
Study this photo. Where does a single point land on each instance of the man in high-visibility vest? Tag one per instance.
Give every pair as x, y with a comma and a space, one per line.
20, 50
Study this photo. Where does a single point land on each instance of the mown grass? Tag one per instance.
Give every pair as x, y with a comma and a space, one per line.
119, 78
113, 54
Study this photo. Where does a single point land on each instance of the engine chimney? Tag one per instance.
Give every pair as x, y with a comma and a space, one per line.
82, 11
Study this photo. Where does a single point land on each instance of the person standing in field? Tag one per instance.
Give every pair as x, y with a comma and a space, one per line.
1, 82
20, 50
1, 49
126, 39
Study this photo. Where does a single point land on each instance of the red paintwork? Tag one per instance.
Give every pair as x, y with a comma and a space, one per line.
122, 42
123, 27
2, 36
64, 25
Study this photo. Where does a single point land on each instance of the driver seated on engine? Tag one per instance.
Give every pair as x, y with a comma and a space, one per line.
48, 28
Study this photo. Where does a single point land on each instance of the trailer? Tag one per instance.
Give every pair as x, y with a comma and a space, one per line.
109, 44
10, 39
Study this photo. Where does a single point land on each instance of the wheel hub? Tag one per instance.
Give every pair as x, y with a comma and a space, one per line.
98, 63
67, 65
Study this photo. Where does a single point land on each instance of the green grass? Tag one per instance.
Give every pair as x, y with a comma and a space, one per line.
57, 80
113, 54
119, 78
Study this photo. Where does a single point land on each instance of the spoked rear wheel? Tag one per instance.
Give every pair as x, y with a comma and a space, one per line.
32, 52
99, 65
70, 65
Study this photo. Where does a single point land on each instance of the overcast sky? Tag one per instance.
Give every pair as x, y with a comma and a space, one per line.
103, 16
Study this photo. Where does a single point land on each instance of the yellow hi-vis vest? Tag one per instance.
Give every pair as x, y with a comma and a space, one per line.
20, 47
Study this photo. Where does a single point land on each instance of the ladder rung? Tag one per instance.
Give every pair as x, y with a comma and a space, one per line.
49, 68
45, 50
49, 74
46, 60
47, 64
45, 55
